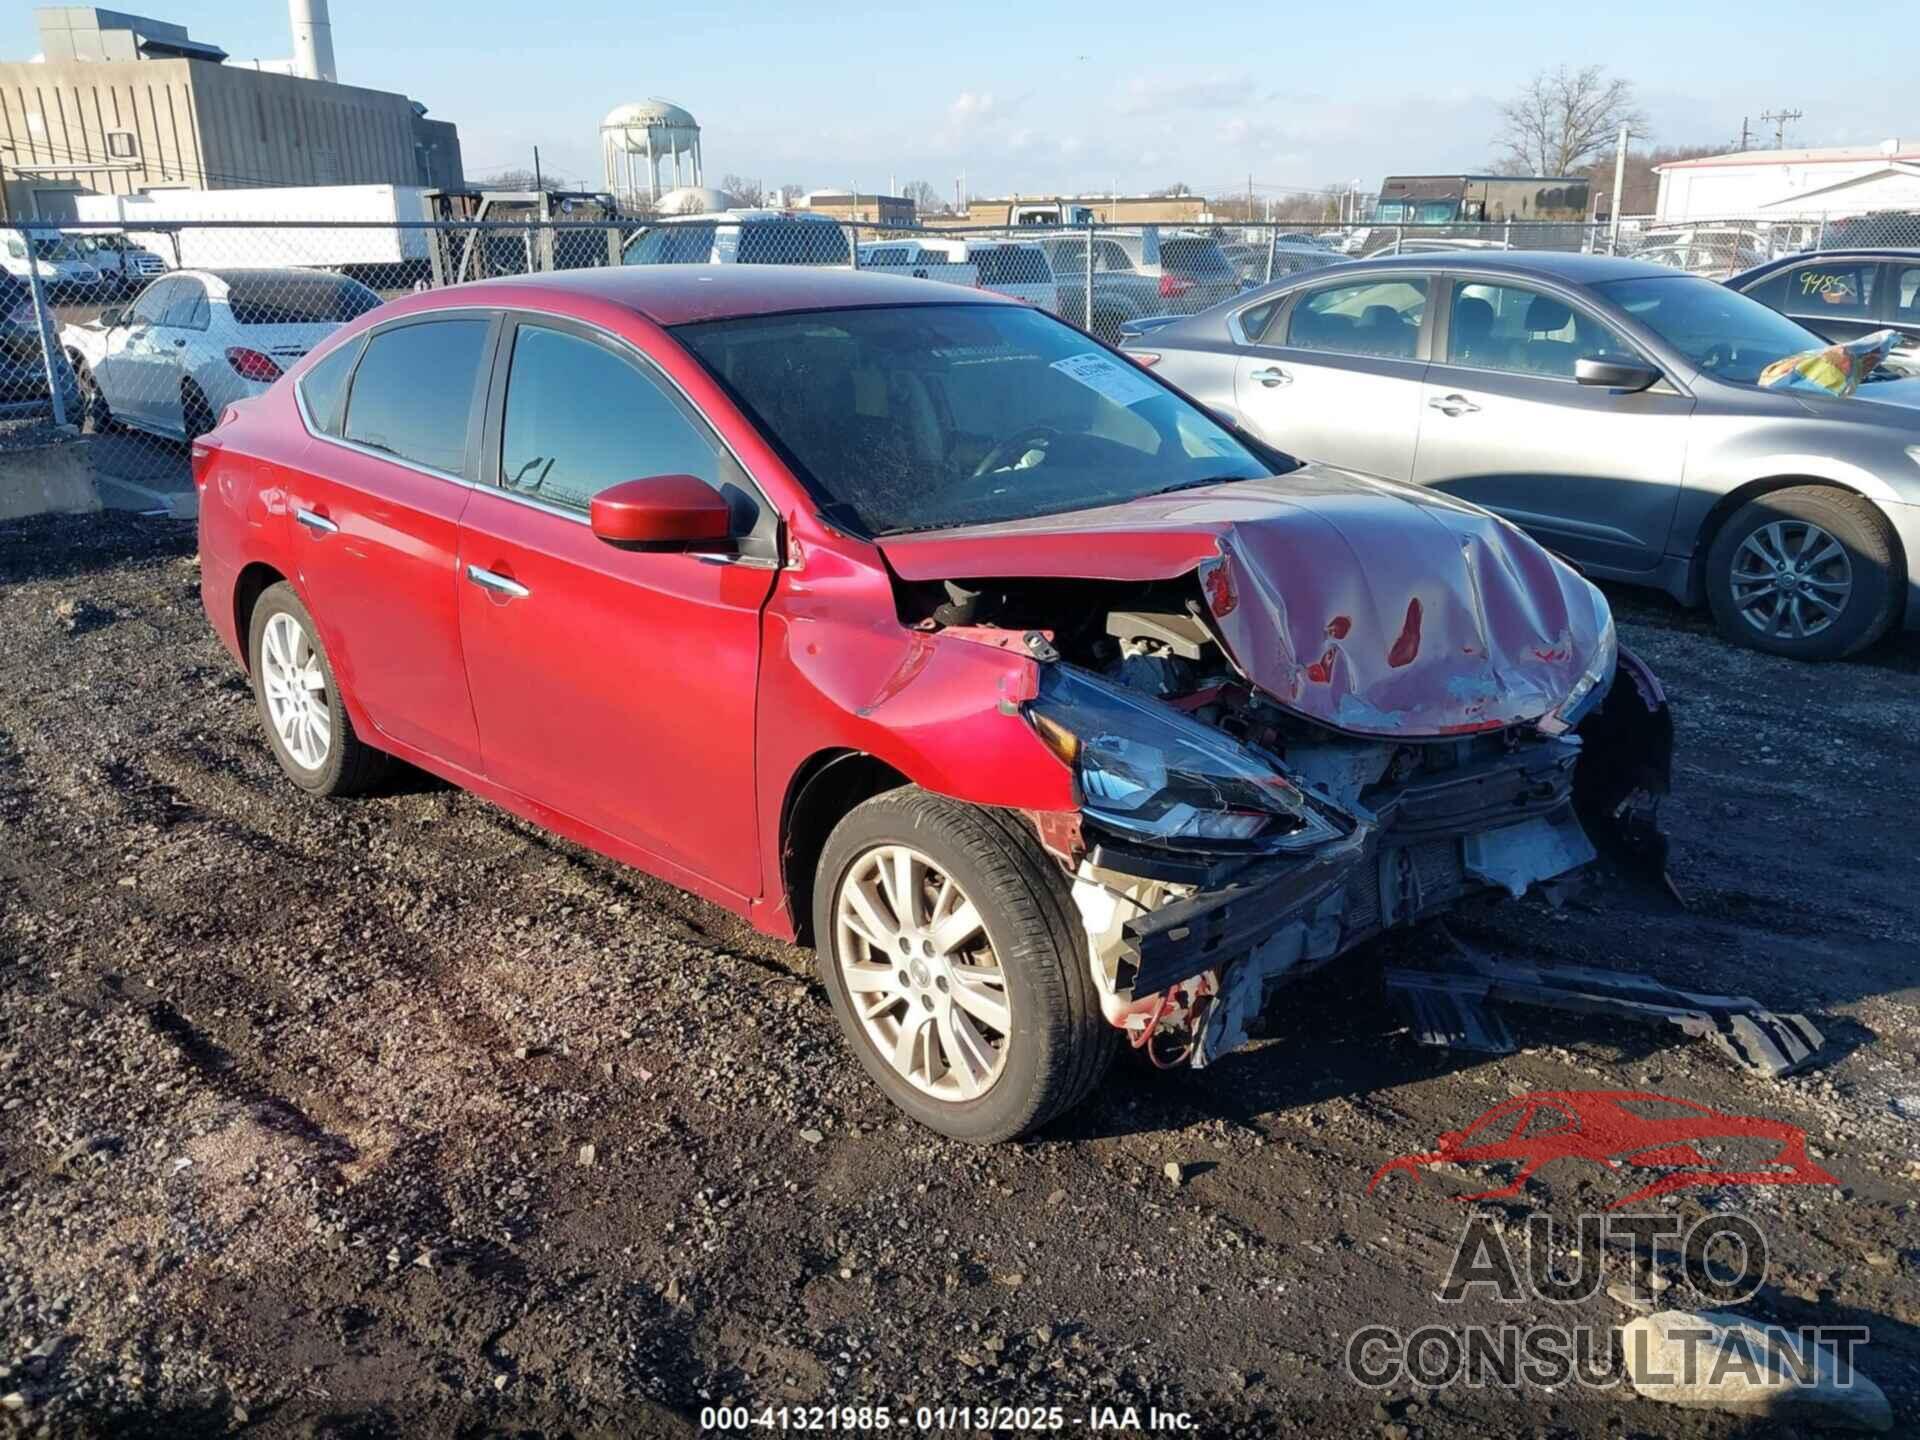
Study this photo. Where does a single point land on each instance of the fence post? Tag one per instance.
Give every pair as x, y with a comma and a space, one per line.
1273, 240
43, 322
1820, 241
1087, 318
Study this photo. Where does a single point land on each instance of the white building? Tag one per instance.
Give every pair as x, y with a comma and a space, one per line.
1791, 184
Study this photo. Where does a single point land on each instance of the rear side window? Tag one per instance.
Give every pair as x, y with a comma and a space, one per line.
1381, 317
792, 242
672, 245
413, 392
281, 299
581, 417
1843, 290
1012, 265
323, 389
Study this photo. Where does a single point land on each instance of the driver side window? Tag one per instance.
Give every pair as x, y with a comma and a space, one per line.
151, 307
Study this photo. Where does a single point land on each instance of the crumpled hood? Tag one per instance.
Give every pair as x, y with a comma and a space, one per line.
1377, 608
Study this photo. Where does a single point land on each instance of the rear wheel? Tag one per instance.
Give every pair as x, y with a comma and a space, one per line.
955, 968
1807, 572
293, 685
196, 415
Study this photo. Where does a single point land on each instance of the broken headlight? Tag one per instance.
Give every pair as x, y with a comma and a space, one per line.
1144, 768
1590, 689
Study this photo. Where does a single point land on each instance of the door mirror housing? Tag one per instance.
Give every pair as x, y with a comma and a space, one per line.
1614, 374
662, 512
112, 318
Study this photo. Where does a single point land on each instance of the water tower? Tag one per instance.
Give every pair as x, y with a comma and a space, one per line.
636, 139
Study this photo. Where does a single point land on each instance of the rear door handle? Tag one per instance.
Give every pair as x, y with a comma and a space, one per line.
320, 525
1271, 376
1452, 405
498, 584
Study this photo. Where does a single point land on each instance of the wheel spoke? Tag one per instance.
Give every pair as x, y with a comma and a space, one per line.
984, 1003
310, 675
1828, 554
1831, 607
872, 926
951, 932
864, 979
897, 880
907, 1047
969, 1058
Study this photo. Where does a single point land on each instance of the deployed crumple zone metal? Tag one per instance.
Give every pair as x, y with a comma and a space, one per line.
1448, 1005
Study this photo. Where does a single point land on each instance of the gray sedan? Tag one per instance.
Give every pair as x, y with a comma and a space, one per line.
1609, 407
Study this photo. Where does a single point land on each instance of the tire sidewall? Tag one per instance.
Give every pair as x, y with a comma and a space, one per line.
1010, 1102
1866, 604
276, 600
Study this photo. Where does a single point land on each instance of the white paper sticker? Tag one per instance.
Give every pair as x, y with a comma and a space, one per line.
1119, 382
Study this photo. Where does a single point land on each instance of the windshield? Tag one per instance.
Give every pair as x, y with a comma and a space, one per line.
1725, 334
925, 416
55, 248
280, 299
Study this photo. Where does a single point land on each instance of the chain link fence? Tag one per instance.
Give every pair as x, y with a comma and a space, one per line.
140, 338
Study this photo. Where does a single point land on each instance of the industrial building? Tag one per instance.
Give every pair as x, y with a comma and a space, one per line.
119, 104
1791, 184
847, 205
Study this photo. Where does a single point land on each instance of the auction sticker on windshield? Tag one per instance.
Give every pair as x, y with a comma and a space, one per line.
1121, 384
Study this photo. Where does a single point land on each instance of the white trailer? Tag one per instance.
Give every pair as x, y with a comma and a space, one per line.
283, 227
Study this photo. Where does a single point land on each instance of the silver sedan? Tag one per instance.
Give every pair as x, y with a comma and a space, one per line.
1609, 407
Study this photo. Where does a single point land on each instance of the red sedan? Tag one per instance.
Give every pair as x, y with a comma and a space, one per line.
911, 623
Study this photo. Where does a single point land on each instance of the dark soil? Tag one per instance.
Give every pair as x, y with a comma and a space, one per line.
294, 1095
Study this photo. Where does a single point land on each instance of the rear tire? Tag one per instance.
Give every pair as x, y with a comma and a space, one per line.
1782, 563
196, 415
1046, 1043
307, 724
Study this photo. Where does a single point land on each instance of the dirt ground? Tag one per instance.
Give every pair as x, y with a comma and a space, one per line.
295, 1097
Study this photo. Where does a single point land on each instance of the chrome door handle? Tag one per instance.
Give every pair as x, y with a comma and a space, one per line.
498, 584
320, 525
1452, 405
1271, 376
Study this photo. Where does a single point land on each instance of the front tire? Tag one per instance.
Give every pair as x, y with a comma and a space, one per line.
307, 723
96, 416
952, 959
1807, 572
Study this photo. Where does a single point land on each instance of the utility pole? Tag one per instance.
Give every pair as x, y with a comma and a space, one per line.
1619, 176
1781, 119
537, 182
1744, 132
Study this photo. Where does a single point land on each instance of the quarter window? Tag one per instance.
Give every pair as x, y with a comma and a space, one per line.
1907, 294
413, 392
324, 387
580, 418
1381, 318
1525, 332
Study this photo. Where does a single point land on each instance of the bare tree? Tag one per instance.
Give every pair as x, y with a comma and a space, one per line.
509, 180
926, 200
1179, 187
745, 192
1564, 118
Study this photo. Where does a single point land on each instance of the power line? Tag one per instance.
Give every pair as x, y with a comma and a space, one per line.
1781, 119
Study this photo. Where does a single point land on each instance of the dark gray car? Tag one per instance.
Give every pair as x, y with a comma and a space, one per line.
1607, 406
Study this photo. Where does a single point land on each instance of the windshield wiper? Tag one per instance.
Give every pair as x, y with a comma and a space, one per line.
1200, 483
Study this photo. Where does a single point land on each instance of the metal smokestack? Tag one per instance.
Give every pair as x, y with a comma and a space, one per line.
312, 39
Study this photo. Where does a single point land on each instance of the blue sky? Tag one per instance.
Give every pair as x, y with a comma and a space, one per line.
1087, 96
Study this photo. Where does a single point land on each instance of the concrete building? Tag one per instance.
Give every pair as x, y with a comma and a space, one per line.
1791, 184
862, 209
119, 104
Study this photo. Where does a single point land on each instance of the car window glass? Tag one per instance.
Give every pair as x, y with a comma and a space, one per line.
1379, 317
1525, 332
277, 298
580, 418
1907, 291
324, 387
1111, 257
1255, 319
673, 245
152, 305
792, 242
187, 294
1842, 290
413, 391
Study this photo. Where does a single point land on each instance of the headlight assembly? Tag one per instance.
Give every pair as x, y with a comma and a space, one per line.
1590, 689
1144, 768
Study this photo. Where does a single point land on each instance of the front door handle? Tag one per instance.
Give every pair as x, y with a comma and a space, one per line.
1271, 376
498, 584
320, 525
1452, 405
180, 344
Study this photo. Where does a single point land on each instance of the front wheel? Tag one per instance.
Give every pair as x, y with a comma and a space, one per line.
954, 964
1806, 572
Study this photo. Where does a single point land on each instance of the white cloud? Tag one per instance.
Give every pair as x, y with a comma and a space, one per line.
1157, 94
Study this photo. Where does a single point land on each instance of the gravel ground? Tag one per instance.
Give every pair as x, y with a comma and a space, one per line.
401, 1116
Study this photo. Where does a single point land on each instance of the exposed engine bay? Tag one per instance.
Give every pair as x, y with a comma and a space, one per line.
1227, 842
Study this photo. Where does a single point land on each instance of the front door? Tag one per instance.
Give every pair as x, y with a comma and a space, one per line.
615, 686
132, 372
1336, 376
376, 508
1592, 473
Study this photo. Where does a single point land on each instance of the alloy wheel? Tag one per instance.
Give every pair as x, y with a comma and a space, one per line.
921, 975
296, 691
1791, 579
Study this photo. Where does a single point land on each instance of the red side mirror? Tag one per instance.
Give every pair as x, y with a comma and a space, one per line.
666, 512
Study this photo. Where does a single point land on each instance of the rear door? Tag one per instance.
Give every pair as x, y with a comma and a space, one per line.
377, 506
1590, 472
615, 686
1903, 302
1335, 376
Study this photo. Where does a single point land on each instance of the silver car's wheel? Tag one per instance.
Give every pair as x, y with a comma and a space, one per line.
921, 974
1791, 579
295, 688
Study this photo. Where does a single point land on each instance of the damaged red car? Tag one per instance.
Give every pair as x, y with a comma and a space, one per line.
914, 625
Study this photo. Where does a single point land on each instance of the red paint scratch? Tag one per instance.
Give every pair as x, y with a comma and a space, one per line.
1408, 645
1320, 672
1219, 588
1339, 626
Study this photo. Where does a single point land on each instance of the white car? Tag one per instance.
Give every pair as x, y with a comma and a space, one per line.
64, 275
1018, 268
740, 237
195, 341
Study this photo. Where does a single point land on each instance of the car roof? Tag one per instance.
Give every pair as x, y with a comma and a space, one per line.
681, 294
1569, 266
